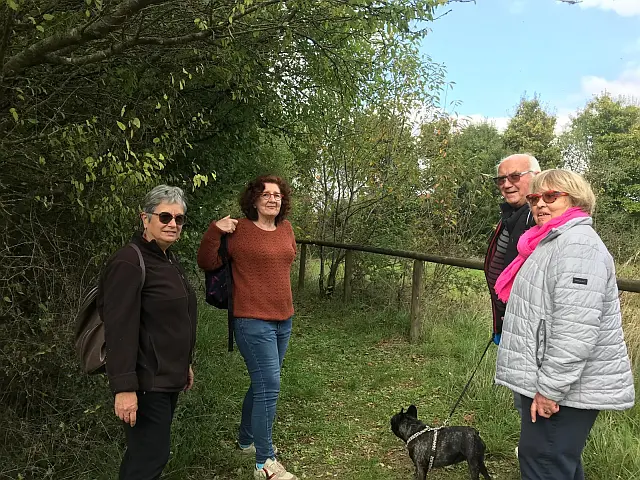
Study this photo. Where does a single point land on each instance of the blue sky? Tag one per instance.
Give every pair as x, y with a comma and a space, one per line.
497, 50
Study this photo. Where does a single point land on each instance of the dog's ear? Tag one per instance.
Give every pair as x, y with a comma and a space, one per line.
412, 411
402, 410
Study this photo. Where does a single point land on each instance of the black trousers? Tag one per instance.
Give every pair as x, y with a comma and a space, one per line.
149, 442
551, 448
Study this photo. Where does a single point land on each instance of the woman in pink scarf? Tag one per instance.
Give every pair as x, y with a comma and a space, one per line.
562, 347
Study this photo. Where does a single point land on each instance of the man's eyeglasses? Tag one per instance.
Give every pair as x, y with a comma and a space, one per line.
266, 196
548, 197
166, 217
513, 177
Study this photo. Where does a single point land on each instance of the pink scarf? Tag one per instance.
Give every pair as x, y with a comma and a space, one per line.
526, 245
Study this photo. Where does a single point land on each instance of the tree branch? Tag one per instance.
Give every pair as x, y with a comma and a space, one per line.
122, 46
94, 30
48, 50
6, 33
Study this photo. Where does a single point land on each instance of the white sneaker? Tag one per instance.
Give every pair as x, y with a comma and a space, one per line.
273, 470
516, 452
251, 449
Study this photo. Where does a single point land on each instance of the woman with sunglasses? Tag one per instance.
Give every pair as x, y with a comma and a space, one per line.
150, 332
562, 346
261, 248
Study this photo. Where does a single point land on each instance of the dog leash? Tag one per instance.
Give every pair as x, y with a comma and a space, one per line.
435, 430
464, 390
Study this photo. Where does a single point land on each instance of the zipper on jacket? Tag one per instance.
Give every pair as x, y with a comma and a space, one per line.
186, 293
541, 325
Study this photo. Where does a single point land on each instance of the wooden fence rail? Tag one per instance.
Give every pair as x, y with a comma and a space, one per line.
418, 269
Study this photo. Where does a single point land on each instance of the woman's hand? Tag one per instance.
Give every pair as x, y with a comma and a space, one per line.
227, 224
189, 384
543, 406
126, 406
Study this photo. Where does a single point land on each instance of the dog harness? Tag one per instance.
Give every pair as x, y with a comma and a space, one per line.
435, 431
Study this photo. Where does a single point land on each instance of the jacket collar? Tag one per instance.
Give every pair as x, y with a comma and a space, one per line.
556, 232
511, 215
150, 246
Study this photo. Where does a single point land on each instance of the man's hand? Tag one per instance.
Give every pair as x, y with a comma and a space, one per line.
126, 406
227, 224
189, 384
543, 406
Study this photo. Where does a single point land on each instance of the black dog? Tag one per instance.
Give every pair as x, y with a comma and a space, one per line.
453, 445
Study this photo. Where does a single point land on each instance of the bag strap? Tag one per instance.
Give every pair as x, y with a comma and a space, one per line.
224, 254
143, 275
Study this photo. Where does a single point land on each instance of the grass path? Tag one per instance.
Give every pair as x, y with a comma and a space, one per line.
348, 369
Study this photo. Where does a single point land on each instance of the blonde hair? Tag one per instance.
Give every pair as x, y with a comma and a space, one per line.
579, 190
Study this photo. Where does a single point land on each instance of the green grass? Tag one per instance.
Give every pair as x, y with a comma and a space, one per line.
349, 368
347, 371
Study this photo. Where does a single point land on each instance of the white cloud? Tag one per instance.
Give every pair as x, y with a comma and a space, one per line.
626, 8
517, 7
563, 119
499, 122
627, 84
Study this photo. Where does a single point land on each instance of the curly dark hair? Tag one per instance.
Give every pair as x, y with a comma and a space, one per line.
253, 190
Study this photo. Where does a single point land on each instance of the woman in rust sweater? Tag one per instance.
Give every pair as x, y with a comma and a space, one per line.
262, 249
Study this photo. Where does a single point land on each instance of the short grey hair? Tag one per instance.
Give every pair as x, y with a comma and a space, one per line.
534, 165
163, 194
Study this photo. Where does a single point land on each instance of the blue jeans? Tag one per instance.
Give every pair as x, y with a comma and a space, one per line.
262, 345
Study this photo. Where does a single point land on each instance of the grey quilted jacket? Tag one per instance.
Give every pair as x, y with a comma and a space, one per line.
562, 333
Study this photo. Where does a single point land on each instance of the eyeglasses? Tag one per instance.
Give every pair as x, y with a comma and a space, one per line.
548, 197
266, 196
513, 177
166, 217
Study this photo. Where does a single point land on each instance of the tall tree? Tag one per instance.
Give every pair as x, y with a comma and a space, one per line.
604, 142
101, 99
531, 130
460, 197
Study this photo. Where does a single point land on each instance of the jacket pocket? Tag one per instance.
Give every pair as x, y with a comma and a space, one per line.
155, 354
541, 342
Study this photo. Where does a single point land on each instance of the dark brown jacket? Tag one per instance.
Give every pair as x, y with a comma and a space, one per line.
516, 221
150, 331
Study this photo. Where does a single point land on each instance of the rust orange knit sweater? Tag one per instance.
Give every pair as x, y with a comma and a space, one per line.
261, 267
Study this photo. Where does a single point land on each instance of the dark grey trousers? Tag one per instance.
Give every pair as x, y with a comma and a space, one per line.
551, 448
149, 442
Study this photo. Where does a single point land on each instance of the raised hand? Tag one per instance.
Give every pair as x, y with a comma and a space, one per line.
227, 224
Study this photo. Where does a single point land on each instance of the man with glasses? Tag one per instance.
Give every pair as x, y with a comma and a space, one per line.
514, 173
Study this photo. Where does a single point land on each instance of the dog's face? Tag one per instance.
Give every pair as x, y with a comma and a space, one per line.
402, 420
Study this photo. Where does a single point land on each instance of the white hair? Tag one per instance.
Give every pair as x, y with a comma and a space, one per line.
163, 194
533, 161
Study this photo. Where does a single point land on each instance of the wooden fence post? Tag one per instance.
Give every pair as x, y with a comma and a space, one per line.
348, 271
416, 293
303, 265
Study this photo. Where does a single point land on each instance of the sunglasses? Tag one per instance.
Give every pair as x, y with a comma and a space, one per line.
166, 217
548, 197
513, 177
